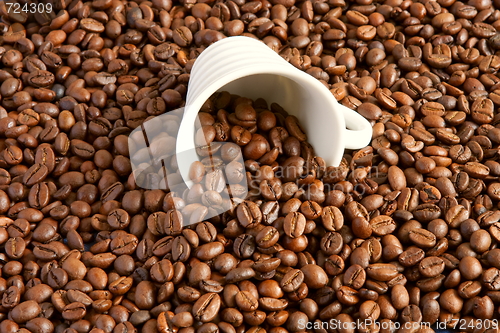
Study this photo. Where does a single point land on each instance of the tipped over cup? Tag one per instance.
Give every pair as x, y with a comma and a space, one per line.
166, 152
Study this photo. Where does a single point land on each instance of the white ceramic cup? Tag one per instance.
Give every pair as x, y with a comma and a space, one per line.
249, 68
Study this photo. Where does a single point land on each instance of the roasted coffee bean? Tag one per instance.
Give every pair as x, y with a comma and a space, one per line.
411, 256
25, 311
292, 280
249, 214
431, 266
332, 218
244, 246
355, 276
206, 307
294, 224
422, 237
382, 272
347, 295
267, 237
331, 243
382, 225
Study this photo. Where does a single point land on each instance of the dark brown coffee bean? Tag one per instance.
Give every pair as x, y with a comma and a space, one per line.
15, 247
292, 280
272, 304
249, 214
355, 276
41, 79
332, 218
206, 307
382, 272
431, 266
294, 224
331, 243
422, 237
11, 297
82, 149
469, 289
162, 271
267, 237
25, 311
311, 209
37, 173
450, 300
183, 36
181, 249
411, 256
347, 295
382, 225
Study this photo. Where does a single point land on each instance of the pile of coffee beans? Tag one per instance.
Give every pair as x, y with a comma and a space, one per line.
405, 230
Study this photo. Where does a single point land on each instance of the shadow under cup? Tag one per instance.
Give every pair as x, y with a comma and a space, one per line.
217, 180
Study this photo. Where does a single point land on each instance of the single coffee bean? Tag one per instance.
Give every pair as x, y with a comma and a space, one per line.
332, 218
422, 237
206, 307
355, 276
249, 214
294, 224
431, 266
292, 280
382, 272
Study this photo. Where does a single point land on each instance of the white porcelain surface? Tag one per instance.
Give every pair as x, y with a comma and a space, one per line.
247, 67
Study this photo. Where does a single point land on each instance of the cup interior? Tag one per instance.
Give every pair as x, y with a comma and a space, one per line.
313, 106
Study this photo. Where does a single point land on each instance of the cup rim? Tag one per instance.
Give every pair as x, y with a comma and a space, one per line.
296, 76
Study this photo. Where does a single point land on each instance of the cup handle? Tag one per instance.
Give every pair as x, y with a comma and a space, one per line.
358, 132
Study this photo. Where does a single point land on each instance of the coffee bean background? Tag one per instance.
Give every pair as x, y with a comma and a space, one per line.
404, 230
